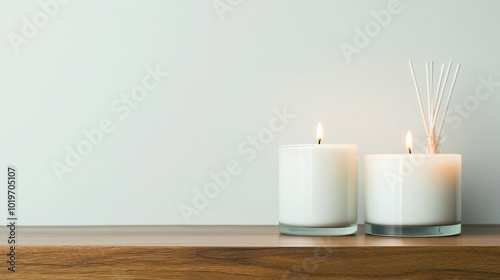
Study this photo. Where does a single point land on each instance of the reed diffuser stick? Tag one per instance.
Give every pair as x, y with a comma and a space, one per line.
438, 86
431, 87
428, 81
418, 96
449, 98
441, 93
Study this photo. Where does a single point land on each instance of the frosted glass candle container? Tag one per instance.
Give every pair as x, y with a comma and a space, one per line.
413, 195
318, 189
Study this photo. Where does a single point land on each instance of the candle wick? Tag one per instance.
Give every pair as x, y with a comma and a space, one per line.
319, 141
409, 150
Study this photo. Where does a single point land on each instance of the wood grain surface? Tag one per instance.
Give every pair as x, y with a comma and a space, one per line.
234, 236
473, 255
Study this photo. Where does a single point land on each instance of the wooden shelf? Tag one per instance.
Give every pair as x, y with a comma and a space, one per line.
245, 252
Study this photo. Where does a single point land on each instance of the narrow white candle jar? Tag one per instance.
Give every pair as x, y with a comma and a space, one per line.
318, 189
413, 195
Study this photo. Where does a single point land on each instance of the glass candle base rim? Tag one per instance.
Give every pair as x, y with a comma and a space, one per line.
413, 231
318, 231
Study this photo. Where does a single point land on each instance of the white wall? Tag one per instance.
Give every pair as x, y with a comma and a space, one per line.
226, 76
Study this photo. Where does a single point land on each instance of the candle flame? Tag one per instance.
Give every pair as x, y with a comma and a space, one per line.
319, 133
409, 141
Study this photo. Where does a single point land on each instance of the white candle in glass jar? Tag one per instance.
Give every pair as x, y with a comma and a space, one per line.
318, 185
413, 190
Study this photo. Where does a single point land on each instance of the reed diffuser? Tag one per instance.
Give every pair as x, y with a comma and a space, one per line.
417, 194
435, 97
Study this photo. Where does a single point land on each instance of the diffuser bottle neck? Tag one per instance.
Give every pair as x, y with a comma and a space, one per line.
434, 145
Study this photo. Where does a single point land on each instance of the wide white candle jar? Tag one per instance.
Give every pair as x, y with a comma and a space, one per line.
318, 189
413, 195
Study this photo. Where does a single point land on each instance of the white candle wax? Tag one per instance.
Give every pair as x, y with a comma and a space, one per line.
318, 185
413, 190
